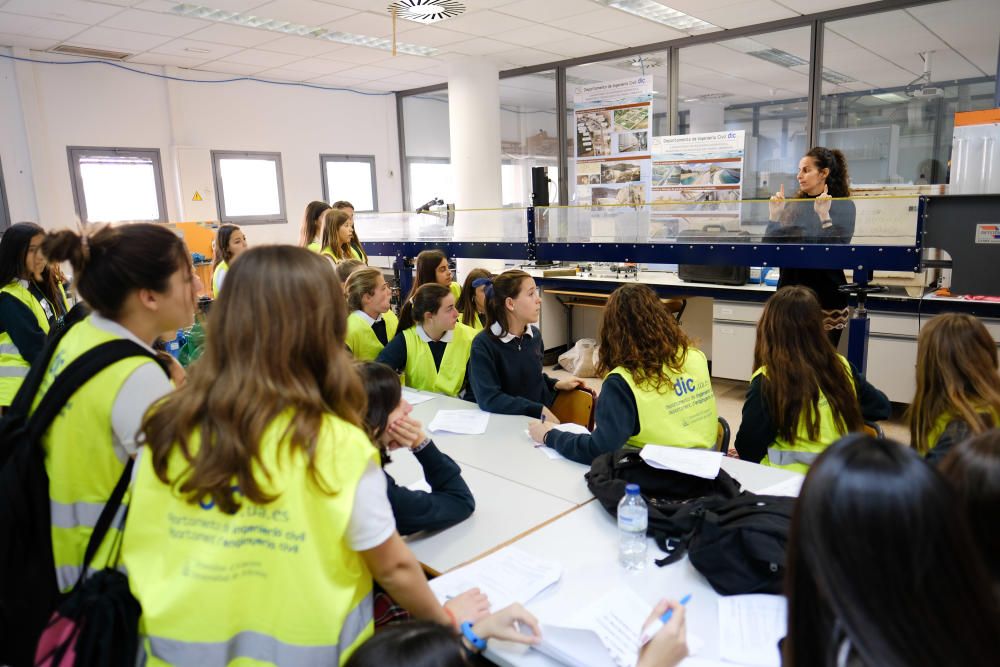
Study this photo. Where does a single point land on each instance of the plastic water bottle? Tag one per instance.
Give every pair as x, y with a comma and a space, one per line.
632, 519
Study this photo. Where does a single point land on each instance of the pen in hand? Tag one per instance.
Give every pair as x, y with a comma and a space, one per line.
655, 626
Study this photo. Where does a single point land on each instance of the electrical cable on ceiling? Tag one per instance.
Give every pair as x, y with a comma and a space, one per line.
184, 80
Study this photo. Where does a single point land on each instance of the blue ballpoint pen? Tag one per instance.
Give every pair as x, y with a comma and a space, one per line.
655, 626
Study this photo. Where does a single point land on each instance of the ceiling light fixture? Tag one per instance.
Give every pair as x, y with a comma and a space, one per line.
297, 29
655, 11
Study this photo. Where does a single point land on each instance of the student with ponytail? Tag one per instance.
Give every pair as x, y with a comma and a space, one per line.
310, 230
31, 301
472, 302
822, 177
138, 280
803, 395
371, 323
259, 515
506, 361
431, 347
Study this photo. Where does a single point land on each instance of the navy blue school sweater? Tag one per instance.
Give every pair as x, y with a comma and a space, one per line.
449, 502
507, 378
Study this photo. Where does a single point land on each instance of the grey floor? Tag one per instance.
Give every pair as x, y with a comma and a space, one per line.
729, 396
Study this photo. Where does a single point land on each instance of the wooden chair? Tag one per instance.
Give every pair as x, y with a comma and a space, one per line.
874, 430
722, 436
575, 407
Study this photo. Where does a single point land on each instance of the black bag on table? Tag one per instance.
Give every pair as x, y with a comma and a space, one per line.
735, 539
718, 274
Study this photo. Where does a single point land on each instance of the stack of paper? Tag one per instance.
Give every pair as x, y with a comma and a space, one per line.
466, 422
507, 576
750, 627
568, 428
414, 397
604, 634
697, 462
788, 487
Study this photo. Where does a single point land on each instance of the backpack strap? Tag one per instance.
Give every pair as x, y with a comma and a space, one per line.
29, 388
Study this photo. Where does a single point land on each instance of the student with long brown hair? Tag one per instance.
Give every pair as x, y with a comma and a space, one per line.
371, 323
310, 230
431, 347
431, 266
230, 242
259, 513
657, 388
958, 385
354, 248
506, 361
138, 281
472, 301
335, 235
803, 395
828, 218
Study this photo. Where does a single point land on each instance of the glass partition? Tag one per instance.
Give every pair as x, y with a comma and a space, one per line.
528, 135
441, 224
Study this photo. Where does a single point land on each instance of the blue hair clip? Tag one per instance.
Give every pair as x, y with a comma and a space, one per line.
484, 282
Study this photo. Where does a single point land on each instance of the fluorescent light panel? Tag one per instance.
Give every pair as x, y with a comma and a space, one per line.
298, 29
655, 11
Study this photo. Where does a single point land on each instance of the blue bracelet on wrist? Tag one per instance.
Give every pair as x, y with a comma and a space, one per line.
473, 638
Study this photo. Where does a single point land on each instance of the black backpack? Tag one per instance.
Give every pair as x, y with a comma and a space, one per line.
28, 589
735, 539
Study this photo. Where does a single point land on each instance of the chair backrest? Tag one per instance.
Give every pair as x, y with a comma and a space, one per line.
722, 436
575, 407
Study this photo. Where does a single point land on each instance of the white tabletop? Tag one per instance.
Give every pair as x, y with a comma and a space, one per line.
506, 451
504, 511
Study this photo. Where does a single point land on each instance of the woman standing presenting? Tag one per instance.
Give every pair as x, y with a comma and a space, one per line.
822, 176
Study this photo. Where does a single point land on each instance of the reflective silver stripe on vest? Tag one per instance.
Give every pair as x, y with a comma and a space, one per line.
13, 371
263, 648
10, 348
67, 575
786, 457
75, 515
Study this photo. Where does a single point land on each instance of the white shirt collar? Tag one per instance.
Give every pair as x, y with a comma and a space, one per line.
363, 315
113, 327
446, 338
506, 338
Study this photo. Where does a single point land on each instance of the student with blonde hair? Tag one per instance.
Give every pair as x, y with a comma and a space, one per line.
958, 385
310, 230
657, 388
371, 323
803, 396
472, 300
259, 514
346, 268
431, 347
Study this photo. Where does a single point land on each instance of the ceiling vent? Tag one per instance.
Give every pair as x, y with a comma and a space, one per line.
89, 53
427, 12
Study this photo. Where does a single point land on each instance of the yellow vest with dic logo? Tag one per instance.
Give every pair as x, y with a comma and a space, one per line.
420, 372
216, 276
273, 584
79, 453
362, 341
800, 455
14, 367
685, 415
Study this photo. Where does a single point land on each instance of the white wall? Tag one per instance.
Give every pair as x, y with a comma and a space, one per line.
45, 108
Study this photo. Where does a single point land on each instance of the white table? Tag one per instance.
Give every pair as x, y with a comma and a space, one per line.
505, 450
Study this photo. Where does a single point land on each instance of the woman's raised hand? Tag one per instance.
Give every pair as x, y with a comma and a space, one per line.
776, 205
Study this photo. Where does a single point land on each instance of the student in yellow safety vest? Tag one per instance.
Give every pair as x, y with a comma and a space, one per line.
472, 302
31, 300
657, 388
310, 229
431, 266
371, 323
803, 395
958, 384
354, 248
431, 347
338, 238
139, 282
259, 514
230, 242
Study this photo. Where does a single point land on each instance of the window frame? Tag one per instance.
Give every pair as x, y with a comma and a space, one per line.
368, 159
74, 153
410, 160
5, 221
277, 219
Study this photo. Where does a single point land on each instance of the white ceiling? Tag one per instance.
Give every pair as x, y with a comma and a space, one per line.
876, 51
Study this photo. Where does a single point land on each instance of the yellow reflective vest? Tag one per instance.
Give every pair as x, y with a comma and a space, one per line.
361, 339
420, 372
684, 415
456, 290
14, 367
798, 456
314, 246
274, 584
358, 254
476, 323
79, 453
218, 275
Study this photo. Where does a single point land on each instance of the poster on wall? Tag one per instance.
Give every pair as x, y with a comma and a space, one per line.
613, 132
697, 181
